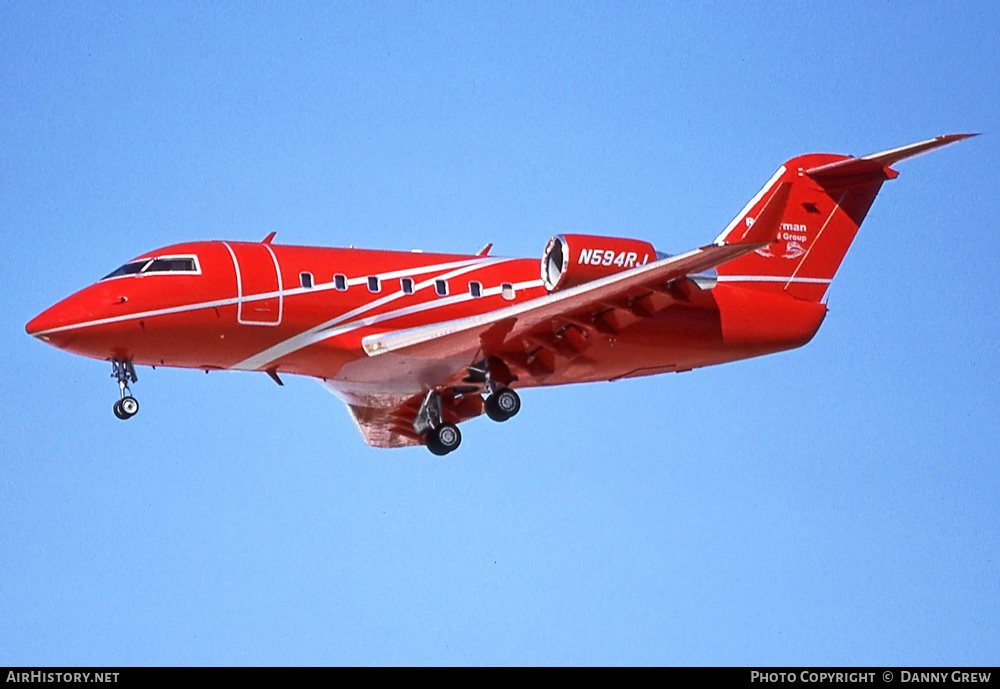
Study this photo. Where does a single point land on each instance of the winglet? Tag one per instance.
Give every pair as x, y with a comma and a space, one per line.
877, 165
268, 238
485, 250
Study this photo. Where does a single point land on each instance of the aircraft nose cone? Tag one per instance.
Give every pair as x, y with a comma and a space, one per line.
68, 312
46, 320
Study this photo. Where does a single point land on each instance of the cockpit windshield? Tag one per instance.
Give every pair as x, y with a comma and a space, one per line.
161, 264
128, 269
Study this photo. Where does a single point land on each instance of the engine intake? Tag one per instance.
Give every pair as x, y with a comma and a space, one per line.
572, 259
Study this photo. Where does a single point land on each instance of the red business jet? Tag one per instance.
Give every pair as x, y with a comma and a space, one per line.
416, 343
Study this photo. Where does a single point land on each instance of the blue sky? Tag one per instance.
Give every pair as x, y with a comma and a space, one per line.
832, 505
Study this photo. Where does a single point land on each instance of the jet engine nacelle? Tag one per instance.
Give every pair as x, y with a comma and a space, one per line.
572, 259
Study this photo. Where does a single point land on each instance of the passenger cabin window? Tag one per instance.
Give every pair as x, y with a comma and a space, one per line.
340, 282
507, 291
441, 287
306, 280
374, 285
476, 289
406, 284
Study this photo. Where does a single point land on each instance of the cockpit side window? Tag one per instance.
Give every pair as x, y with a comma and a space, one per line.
159, 265
172, 264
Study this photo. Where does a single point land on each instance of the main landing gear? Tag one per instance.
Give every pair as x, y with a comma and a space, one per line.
443, 437
124, 372
501, 402
440, 436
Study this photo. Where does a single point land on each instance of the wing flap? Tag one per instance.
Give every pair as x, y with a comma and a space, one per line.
388, 425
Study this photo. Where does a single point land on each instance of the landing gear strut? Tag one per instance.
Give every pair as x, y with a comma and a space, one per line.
501, 402
123, 371
440, 436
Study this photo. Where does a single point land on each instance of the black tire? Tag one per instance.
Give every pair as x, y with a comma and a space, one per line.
502, 404
444, 439
129, 406
433, 445
449, 437
118, 411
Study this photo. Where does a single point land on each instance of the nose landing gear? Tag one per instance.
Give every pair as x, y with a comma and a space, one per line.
124, 372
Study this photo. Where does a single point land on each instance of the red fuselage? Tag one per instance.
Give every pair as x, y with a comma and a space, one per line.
305, 310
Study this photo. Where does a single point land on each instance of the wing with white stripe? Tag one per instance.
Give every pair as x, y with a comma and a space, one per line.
465, 337
528, 336
386, 388
485, 332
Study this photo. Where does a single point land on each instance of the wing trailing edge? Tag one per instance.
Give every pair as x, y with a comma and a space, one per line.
463, 336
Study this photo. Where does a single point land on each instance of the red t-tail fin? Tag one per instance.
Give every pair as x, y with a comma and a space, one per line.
822, 200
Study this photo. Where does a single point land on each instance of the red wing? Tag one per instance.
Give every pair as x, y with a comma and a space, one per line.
583, 306
491, 333
528, 336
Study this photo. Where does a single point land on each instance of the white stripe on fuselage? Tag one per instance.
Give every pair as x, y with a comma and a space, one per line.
349, 321
389, 315
264, 295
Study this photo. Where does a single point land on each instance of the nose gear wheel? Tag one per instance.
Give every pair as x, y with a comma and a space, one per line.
123, 371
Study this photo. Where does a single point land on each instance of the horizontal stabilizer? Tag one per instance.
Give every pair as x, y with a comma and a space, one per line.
876, 166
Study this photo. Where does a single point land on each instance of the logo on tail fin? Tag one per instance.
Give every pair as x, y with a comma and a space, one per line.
793, 250
808, 214
793, 242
